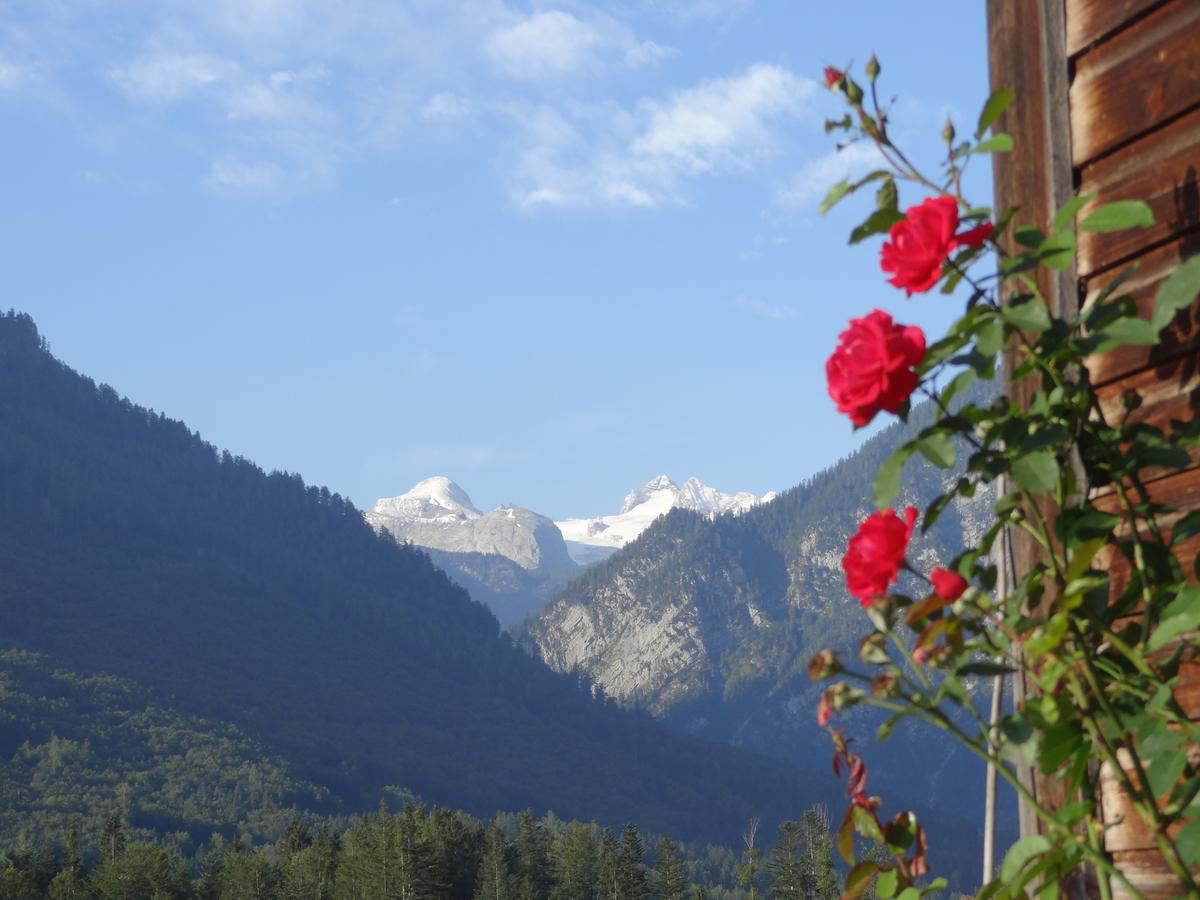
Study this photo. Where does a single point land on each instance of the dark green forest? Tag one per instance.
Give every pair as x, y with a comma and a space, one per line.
213, 644
419, 854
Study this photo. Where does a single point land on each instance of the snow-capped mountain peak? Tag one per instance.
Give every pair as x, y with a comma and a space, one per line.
437, 498
590, 540
638, 496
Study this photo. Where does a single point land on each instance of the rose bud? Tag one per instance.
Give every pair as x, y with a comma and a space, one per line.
947, 584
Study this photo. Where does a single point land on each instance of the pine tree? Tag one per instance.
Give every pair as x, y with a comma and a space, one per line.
789, 872
575, 859
112, 839
494, 881
669, 880
608, 868
631, 865
533, 865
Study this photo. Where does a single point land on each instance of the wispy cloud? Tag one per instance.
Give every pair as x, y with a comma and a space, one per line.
814, 179
231, 173
612, 156
165, 76
556, 43
446, 105
766, 310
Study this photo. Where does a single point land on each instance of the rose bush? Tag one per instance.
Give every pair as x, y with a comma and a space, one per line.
1100, 656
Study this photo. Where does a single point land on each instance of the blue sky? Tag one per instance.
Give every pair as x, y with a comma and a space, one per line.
548, 249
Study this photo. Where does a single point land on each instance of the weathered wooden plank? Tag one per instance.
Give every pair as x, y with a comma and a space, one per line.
1181, 492
1148, 873
1169, 392
1162, 169
1180, 338
1090, 20
1026, 53
1132, 83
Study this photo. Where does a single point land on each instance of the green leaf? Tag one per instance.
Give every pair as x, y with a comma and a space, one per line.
990, 337
1059, 743
1165, 768
877, 223
997, 143
1188, 840
887, 481
1027, 312
1118, 216
1186, 527
1131, 330
983, 667
1037, 471
1028, 236
1082, 558
859, 879
1179, 616
959, 383
938, 449
886, 197
1020, 853
1177, 293
845, 837
1065, 216
996, 104
886, 884
836, 193
1057, 251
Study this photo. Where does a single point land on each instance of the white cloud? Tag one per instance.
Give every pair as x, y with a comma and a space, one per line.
555, 43
723, 121
605, 155
279, 97
814, 179
234, 174
767, 310
165, 76
12, 75
445, 105
697, 10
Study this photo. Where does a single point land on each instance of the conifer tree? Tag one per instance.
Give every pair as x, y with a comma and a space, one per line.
112, 839
533, 865
494, 881
608, 874
669, 880
575, 863
631, 865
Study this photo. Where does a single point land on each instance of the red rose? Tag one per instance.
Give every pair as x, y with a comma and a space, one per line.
875, 553
832, 77
923, 240
946, 584
872, 367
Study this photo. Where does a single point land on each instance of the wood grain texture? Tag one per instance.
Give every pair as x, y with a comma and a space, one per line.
1161, 168
1148, 873
1026, 53
1090, 20
1130, 832
1132, 83
1181, 492
1168, 393
1181, 337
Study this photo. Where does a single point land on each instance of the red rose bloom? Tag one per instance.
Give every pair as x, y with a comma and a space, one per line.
923, 240
832, 77
873, 366
946, 584
875, 553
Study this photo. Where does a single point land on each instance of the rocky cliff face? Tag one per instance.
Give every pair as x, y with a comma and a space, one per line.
708, 622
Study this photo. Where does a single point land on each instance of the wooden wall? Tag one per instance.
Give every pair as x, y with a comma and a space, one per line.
1108, 102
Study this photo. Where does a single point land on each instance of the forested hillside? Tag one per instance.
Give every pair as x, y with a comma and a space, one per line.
336, 662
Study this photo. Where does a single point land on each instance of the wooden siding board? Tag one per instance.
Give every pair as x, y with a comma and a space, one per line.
1182, 336
1090, 20
1145, 75
1162, 168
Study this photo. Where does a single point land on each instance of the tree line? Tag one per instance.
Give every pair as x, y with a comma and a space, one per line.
419, 854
